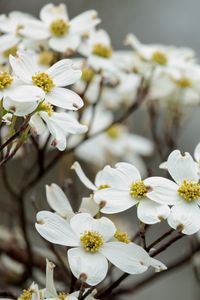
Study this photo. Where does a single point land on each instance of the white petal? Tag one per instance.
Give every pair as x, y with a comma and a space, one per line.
186, 216
19, 108
182, 167
110, 176
51, 12
66, 44
23, 66
129, 171
85, 222
129, 258
84, 179
157, 265
34, 29
64, 98
58, 201
63, 74
84, 22
50, 287
55, 229
93, 265
8, 41
89, 206
26, 93
115, 200
197, 152
150, 212
37, 124
163, 190
163, 165
140, 144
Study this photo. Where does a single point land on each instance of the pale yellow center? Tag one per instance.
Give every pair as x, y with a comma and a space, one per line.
46, 58
103, 186
114, 132
45, 106
159, 58
5, 80
11, 51
184, 82
122, 236
44, 81
62, 295
138, 189
87, 74
59, 27
91, 241
26, 295
189, 190
102, 50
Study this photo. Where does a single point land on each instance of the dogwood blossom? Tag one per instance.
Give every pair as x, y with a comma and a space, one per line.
128, 189
92, 244
183, 194
64, 35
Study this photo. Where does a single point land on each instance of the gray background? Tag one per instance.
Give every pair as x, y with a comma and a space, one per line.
153, 21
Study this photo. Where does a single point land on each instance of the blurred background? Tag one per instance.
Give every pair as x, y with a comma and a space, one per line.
169, 22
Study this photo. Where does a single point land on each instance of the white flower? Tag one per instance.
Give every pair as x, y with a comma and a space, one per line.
59, 202
60, 126
51, 81
127, 190
99, 51
64, 35
183, 195
92, 246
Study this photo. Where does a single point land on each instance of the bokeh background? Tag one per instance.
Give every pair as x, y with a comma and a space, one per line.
172, 22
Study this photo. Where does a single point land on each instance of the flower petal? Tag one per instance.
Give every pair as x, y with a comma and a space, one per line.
8, 41
85, 222
63, 74
150, 212
197, 152
185, 216
182, 167
37, 124
51, 12
64, 98
84, 179
84, 22
93, 265
68, 43
162, 190
35, 29
157, 265
58, 201
19, 108
89, 206
26, 93
23, 66
50, 287
129, 258
55, 229
114, 200
110, 176
129, 171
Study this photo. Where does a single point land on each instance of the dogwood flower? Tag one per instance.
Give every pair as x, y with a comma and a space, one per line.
131, 190
183, 194
60, 125
64, 35
59, 202
51, 82
92, 246
99, 51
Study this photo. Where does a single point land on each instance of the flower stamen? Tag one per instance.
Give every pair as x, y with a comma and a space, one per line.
92, 241
138, 189
189, 190
59, 27
159, 57
102, 50
44, 81
122, 236
5, 80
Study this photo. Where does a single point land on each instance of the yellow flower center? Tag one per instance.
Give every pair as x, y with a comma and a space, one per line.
122, 236
102, 50
62, 295
159, 57
138, 189
87, 74
92, 241
114, 132
26, 295
46, 58
184, 82
59, 27
11, 51
5, 80
45, 106
103, 186
189, 190
44, 81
